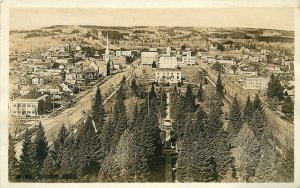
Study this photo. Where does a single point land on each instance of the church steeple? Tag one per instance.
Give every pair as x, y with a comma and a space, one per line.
106, 56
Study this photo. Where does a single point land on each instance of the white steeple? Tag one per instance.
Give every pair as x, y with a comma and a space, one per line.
107, 51
106, 56
168, 51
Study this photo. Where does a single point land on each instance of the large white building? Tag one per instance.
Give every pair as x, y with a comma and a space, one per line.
25, 105
167, 75
168, 62
259, 83
149, 57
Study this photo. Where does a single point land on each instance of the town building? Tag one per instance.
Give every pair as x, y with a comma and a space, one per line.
259, 83
168, 62
118, 61
26, 105
147, 58
188, 59
126, 53
246, 72
167, 75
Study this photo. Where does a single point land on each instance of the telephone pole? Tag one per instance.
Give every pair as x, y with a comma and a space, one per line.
69, 119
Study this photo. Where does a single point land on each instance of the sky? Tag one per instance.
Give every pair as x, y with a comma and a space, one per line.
270, 18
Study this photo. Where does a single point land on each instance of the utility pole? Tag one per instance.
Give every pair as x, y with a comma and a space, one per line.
35, 117
81, 109
53, 103
69, 119
148, 104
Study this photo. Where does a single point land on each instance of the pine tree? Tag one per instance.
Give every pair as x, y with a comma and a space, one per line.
134, 88
184, 169
257, 104
270, 89
145, 145
189, 100
235, 117
41, 148
288, 106
219, 87
152, 93
98, 111
27, 159
258, 122
109, 171
274, 88
120, 119
247, 153
200, 94
53, 160
266, 168
90, 155
51, 166
248, 111
70, 156
215, 117
13, 163
201, 120
179, 116
107, 135
153, 131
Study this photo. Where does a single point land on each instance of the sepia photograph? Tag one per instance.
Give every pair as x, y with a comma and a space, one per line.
142, 95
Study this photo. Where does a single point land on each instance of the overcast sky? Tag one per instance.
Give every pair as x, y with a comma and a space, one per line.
271, 18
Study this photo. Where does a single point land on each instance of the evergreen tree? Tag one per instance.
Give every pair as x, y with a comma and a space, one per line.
247, 153
53, 160
200, 94
145, 145
201, 120
27, 159
120, 119
109, 171
235, 117
189, 100
41, 148
70, 156
184, 168
179, 116
51, 166
90, 155
274, 88
257, 104
248, 111
107, 135
152, 93
219, 87
288, 106
215, 117
123, 81
266, 168
98, 112
258, 122
153, 131
13, 163
134, 88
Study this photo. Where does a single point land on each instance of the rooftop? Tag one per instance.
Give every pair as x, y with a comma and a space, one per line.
167, 69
